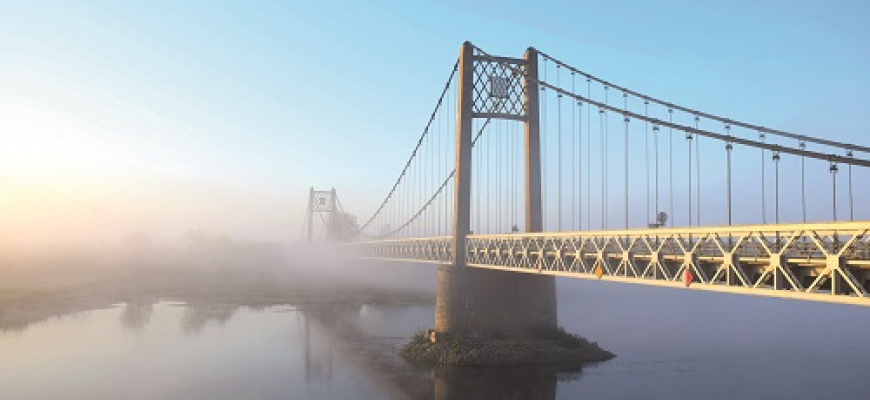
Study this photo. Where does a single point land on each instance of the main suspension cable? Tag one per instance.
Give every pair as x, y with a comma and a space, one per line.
713, 135
826, 142
441, 188
414, 152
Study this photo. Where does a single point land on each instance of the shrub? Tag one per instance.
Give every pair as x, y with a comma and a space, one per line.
419, 337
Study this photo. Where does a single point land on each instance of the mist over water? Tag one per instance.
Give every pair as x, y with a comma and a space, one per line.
248, 323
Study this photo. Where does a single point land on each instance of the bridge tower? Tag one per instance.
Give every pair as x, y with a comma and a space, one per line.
322, 202
481, 301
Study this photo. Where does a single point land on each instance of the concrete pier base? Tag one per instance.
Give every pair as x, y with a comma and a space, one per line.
488, 302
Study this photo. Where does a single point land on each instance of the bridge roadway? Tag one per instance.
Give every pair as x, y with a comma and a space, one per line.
827, 261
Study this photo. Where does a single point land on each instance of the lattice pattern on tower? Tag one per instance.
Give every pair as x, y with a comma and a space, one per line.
322, 201
498, 88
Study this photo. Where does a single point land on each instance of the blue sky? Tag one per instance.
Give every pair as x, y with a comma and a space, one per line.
163, 116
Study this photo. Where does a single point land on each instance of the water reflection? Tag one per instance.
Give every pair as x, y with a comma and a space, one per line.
331, 355
370, 356
197, 315
137, 313
204, 350
20, 311
339, 333
317, 356
526, 383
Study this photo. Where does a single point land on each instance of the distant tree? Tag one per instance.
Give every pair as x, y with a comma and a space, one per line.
346, 226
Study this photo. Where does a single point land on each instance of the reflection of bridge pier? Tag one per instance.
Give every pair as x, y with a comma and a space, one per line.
377, 361
313, 368
339, 335
481, 301
495, 383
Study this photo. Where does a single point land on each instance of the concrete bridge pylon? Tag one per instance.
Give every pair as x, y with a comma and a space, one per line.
481, 301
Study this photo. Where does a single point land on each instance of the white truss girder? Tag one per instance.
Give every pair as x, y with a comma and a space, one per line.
819, 261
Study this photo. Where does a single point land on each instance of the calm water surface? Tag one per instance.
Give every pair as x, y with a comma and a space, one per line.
669, 343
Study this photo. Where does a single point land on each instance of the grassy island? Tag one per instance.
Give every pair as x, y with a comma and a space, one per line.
554, 348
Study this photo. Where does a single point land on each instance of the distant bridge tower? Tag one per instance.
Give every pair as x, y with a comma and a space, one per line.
472, 300
322, 202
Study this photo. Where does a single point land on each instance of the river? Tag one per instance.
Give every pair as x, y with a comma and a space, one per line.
669, 344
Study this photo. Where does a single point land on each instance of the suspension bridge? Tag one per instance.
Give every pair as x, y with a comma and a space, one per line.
529, 168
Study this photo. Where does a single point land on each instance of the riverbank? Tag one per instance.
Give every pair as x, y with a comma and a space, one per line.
24, 301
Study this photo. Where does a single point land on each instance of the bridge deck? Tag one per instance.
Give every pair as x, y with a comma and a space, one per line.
819, 261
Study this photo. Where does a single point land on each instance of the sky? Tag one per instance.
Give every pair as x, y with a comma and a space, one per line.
165, 116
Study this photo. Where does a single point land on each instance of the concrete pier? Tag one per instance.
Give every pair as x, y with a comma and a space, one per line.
480, 301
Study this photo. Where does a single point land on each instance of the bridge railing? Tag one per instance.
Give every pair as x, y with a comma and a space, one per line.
422, 250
